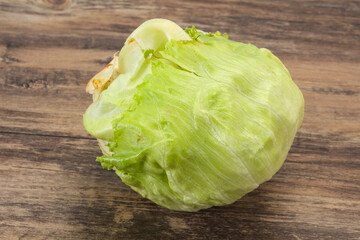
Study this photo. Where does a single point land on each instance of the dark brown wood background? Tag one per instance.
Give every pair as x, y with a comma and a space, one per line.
52, 188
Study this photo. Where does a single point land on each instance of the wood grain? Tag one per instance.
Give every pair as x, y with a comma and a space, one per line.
51, 186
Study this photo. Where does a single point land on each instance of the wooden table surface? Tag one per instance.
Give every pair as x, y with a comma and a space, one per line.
52, 187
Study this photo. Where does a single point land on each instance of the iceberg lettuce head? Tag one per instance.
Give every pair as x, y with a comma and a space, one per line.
191, 119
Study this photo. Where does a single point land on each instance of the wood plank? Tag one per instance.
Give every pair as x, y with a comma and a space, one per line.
325, 29
58, 189
331, 91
